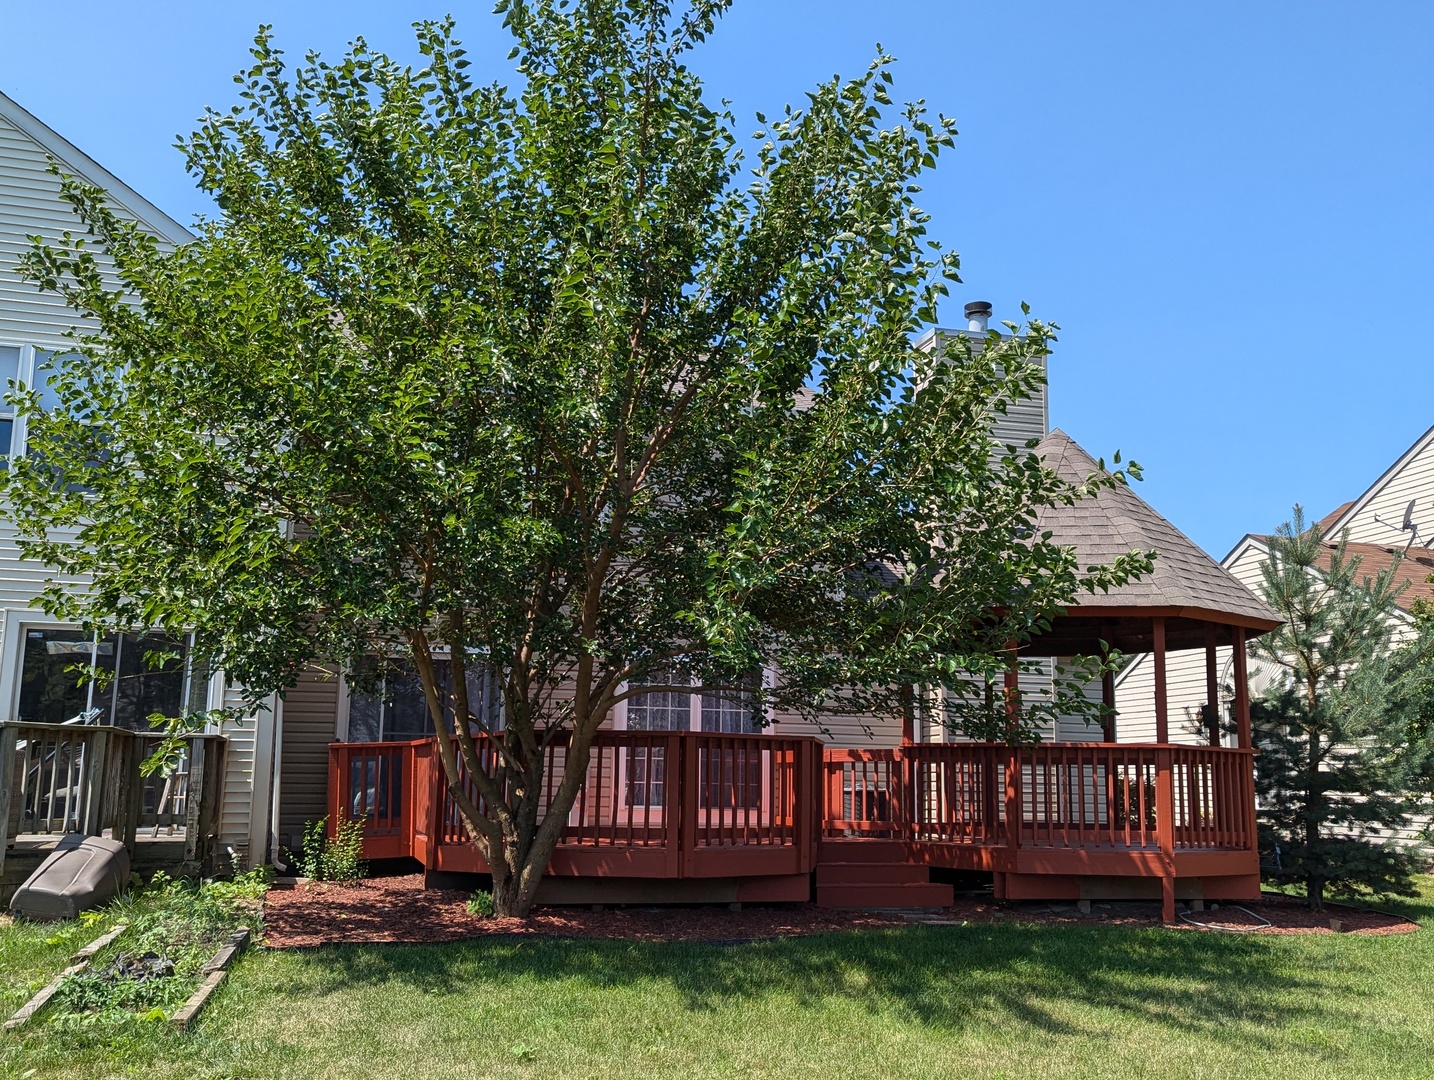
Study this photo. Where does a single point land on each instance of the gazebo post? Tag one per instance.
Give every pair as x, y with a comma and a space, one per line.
1013, 697
1212, 686
1162, 719
1107, 698
1242, 691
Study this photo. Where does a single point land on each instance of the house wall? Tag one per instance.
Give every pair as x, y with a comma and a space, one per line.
1411, 477
309, 716
30, 204
1184, 675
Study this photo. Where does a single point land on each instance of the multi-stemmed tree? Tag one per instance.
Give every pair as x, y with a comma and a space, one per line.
559, 380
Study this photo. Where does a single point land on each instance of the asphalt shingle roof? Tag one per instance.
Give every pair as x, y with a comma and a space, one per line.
1117, 521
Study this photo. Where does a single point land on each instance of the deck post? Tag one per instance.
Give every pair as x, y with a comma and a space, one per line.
131, 794
194, 799
9, 738
1212, 686
1242, 691
1013, 802
1165, 830
1162, 719
91, 819
908, 715
806, 804
687, 823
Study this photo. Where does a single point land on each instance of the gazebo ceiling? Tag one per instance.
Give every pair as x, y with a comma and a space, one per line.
1132, 630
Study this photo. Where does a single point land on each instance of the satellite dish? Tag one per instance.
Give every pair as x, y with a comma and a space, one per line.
1408, 525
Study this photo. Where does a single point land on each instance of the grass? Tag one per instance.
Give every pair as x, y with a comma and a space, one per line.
979, 1001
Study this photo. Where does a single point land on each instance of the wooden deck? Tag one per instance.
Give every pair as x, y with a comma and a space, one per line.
87, 779
755, 816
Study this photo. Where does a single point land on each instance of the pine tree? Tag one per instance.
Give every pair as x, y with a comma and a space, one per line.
1333, 774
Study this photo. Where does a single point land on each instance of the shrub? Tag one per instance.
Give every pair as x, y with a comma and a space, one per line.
336, 858
481, 904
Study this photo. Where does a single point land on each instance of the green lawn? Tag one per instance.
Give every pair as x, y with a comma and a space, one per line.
981, 1001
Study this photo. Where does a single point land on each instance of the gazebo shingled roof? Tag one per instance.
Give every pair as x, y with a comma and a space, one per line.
1197, 597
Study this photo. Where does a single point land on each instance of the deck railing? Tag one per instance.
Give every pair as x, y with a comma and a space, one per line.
1068, 796
76, 778
679, 804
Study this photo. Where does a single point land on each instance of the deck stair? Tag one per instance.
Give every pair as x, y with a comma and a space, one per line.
874, 874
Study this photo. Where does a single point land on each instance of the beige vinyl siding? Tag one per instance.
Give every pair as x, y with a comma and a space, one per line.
248, 763
1411, 478
308, 723
1023, 420
29, 204
846, 732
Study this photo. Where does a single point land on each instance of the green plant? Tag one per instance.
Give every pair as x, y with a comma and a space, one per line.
481, 904
175, 926
333, 858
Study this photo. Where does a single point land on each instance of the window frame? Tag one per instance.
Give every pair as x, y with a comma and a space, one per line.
16, 630
347, 695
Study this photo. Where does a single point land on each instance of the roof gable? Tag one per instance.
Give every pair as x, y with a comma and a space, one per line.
76, 162
1358, 514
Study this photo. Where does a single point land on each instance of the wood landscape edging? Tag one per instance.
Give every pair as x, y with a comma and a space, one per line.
214, 973
78, 963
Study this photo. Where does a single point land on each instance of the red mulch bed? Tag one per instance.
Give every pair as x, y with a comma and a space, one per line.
400, 910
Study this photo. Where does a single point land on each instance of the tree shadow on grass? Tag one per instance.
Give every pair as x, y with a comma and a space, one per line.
1051, 979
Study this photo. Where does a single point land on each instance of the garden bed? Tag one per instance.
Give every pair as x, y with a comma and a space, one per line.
150, 971
399, 910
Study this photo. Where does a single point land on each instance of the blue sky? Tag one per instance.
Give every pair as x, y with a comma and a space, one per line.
1227, 207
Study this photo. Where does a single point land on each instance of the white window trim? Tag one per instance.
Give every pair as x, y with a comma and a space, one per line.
19, 620
619, 711
25, 375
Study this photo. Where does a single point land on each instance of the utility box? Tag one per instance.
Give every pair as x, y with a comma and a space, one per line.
81, 873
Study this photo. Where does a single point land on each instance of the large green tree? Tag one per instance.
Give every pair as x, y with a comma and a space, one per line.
1335, 772
561, 380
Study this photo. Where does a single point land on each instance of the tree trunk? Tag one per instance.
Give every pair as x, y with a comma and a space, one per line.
1314, 883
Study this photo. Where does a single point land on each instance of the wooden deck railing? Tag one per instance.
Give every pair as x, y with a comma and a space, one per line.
679, 804
1067, 796
671, 804
75, 778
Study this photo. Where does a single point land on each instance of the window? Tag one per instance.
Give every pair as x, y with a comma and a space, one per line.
727, 778
32, 367
140, 674
9, 372
397, 711
733, 711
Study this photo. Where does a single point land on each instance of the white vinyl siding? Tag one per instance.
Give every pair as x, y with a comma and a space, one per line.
1412, 478
1184, 675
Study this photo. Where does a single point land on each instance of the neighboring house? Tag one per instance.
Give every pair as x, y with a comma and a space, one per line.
1374, 525
36, 653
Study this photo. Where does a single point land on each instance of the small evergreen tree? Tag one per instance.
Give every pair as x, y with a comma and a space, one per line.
1333, 773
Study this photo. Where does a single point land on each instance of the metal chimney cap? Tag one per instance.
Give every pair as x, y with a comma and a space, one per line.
978, 308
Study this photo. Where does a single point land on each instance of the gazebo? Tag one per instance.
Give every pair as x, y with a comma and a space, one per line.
1188, 602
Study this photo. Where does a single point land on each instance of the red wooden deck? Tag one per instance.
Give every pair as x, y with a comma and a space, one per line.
1056, 820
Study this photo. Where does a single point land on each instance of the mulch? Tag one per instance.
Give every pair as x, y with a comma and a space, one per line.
399, 910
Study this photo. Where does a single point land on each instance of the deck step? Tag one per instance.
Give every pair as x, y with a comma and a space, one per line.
911, 894
864, 873
861, 851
